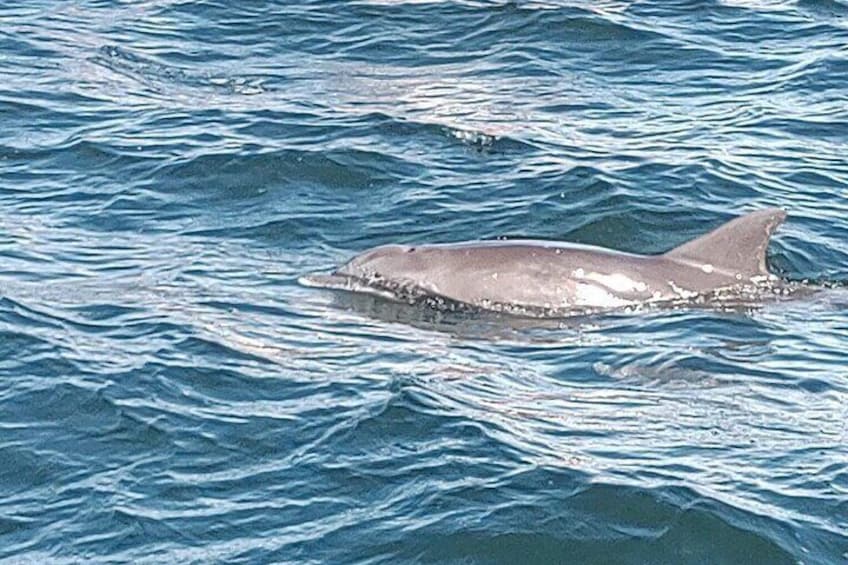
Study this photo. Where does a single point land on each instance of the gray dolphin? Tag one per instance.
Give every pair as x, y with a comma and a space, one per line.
531, 275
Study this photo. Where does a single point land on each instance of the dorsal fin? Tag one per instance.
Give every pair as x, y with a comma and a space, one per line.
739, 246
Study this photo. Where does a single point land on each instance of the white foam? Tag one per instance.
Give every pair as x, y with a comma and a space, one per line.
682, 292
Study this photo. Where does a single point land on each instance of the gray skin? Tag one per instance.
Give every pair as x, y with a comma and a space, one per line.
535, 274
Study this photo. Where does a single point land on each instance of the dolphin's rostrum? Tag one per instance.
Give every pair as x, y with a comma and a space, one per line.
533, 275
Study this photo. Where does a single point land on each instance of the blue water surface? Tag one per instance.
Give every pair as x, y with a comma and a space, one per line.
169, 393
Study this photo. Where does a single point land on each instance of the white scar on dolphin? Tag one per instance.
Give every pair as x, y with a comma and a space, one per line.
549, 276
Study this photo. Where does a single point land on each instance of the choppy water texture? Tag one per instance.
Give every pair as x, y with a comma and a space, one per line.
170, 394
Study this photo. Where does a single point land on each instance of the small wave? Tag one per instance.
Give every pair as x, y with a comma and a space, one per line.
161, 78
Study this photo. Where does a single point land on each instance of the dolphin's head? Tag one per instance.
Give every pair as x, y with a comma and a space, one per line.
387, 262
400, 269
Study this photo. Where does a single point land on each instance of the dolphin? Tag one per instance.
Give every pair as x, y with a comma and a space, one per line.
537, 276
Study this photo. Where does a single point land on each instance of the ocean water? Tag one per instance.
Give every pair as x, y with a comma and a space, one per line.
169, 393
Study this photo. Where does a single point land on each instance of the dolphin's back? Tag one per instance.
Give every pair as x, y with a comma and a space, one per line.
539, 274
